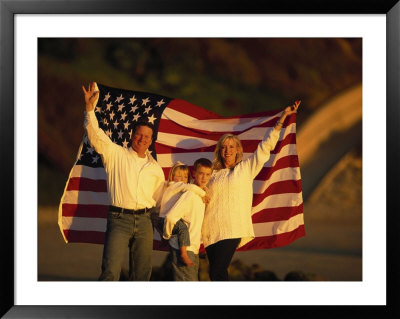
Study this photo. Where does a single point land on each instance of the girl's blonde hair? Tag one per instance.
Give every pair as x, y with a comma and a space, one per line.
218, 162
178, 166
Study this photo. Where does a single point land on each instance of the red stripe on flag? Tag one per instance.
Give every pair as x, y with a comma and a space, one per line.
274, 241
284, 162
87, 184
192, 110
77, 236
80, 210
283, 187
275, 214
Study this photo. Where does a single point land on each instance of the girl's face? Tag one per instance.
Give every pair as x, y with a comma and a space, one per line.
180, 176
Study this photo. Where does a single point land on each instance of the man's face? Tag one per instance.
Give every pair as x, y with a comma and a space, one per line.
142, 139
202, 175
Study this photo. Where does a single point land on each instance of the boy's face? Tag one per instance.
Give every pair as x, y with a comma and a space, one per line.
202, 175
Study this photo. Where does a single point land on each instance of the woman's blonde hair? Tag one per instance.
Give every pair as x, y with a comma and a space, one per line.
218, 162
178, 166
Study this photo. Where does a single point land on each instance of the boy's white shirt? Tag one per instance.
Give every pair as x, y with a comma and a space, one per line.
190, 207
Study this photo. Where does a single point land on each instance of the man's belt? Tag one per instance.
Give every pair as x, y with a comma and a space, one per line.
129, 211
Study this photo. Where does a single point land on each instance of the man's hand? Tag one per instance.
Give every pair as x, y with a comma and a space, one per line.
91, 96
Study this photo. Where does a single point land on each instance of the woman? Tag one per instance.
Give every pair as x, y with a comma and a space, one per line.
227, 221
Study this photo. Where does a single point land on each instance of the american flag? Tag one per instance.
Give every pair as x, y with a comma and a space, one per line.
185, 132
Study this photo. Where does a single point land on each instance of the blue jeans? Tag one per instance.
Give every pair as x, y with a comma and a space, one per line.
180, 230
182, 272
135, 232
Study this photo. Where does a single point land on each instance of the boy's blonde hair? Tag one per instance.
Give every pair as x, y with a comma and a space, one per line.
178, 166
218, 162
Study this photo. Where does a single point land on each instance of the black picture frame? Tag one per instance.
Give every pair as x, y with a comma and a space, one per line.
8, 10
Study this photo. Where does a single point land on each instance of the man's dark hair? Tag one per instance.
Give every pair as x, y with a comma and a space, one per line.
142, 123
202, 162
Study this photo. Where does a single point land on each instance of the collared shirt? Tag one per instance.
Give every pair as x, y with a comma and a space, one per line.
190, 208
133, 182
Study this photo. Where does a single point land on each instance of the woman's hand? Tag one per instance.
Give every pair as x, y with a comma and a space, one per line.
91, 96
288, 111
292, 109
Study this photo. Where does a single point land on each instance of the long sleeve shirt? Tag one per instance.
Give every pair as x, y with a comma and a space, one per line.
228, 214
173, 191
133, 182
190, 208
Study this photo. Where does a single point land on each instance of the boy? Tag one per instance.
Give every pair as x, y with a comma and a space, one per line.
190, 207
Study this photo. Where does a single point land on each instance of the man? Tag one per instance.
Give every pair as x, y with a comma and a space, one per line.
135, 182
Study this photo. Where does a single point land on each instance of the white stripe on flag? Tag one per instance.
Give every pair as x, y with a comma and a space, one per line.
182, 141
279, 200
86, 198
257, 133
284, 174
88, 172
85, 223
278, 227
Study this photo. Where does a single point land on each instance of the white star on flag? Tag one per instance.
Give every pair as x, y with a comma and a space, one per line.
152, 119
107, 96
120, 133
125, 143
112, 115
95, 159
120, 107
109, 106
116, 124
136, 117
132, 100
126, 125
134, 108
159, 103
123, 115
145, 101
90, 150
119, 99
98, 109
147, 109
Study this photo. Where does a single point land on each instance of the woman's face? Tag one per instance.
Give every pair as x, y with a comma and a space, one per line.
229, 150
